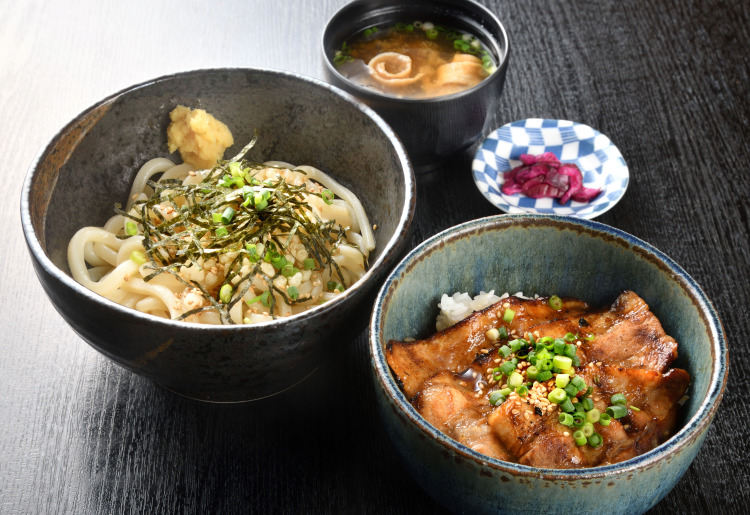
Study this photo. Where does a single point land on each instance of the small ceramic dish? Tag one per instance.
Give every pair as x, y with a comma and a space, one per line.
599, 160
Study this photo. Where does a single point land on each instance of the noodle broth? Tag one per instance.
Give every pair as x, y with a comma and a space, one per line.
415, 60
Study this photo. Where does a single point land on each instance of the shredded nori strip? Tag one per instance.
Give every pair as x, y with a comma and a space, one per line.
192, 233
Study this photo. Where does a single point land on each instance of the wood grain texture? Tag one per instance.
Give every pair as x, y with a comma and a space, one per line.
666, 81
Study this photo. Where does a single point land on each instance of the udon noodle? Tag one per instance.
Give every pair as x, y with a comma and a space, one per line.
240, 243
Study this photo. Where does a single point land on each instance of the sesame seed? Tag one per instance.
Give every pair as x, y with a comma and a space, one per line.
566, 433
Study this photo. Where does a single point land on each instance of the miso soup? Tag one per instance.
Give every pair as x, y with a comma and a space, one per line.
415, 60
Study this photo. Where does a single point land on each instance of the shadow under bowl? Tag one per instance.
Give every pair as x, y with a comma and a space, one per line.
90, 164
545, 254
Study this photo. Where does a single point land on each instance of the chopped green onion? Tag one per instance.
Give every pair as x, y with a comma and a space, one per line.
578, 382
225, 293
588, 429
216, 218
138, 257
327, 196
544, 375
634, 408
579, 437
555, 303
567, 406
503, 333
292, 292
507, 368
253, 251
617, 411
562, 362
265, 299
571, 390
505, 351
595, 440
333, 286
131, 228
593, 415
565, 419
278, 261
562, 380
221, 231
515, 380
227, 215
508, 315
570, 350
618, 399
531, 373
522, 390
579, 418
431, 34
492, 334
588, 404
496, 398
289, 270
543, 363
249, 302
308, 264
604, 419
557, 396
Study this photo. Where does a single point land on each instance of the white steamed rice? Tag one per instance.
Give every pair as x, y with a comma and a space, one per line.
455, 308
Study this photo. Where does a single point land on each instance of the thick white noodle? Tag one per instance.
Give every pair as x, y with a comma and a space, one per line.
340, 191
100, 258
148, 170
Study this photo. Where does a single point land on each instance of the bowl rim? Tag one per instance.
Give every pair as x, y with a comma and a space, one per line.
405, 219
373, 95
690, 431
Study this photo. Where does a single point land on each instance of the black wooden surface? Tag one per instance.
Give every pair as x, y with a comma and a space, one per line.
668, 82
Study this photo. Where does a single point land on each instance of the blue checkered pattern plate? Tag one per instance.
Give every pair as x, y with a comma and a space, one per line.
598, 159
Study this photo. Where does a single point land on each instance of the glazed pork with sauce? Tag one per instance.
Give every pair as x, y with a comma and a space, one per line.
474, 383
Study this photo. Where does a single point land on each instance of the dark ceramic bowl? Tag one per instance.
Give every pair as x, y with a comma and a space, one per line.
545, 254
435, 128
90, 164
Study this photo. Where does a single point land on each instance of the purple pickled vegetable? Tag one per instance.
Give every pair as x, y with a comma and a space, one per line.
545, 176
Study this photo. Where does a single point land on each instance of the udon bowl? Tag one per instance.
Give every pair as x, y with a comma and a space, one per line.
432, 129
545, 254
89, 166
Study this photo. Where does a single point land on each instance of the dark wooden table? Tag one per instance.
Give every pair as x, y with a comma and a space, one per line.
666, 81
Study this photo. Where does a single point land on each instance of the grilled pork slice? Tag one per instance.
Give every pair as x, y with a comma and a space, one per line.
655, 397
535, 437
450, 404
456, 347
628, 334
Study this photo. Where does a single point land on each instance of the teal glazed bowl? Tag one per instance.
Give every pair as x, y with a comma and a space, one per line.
545, 254
90, 164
